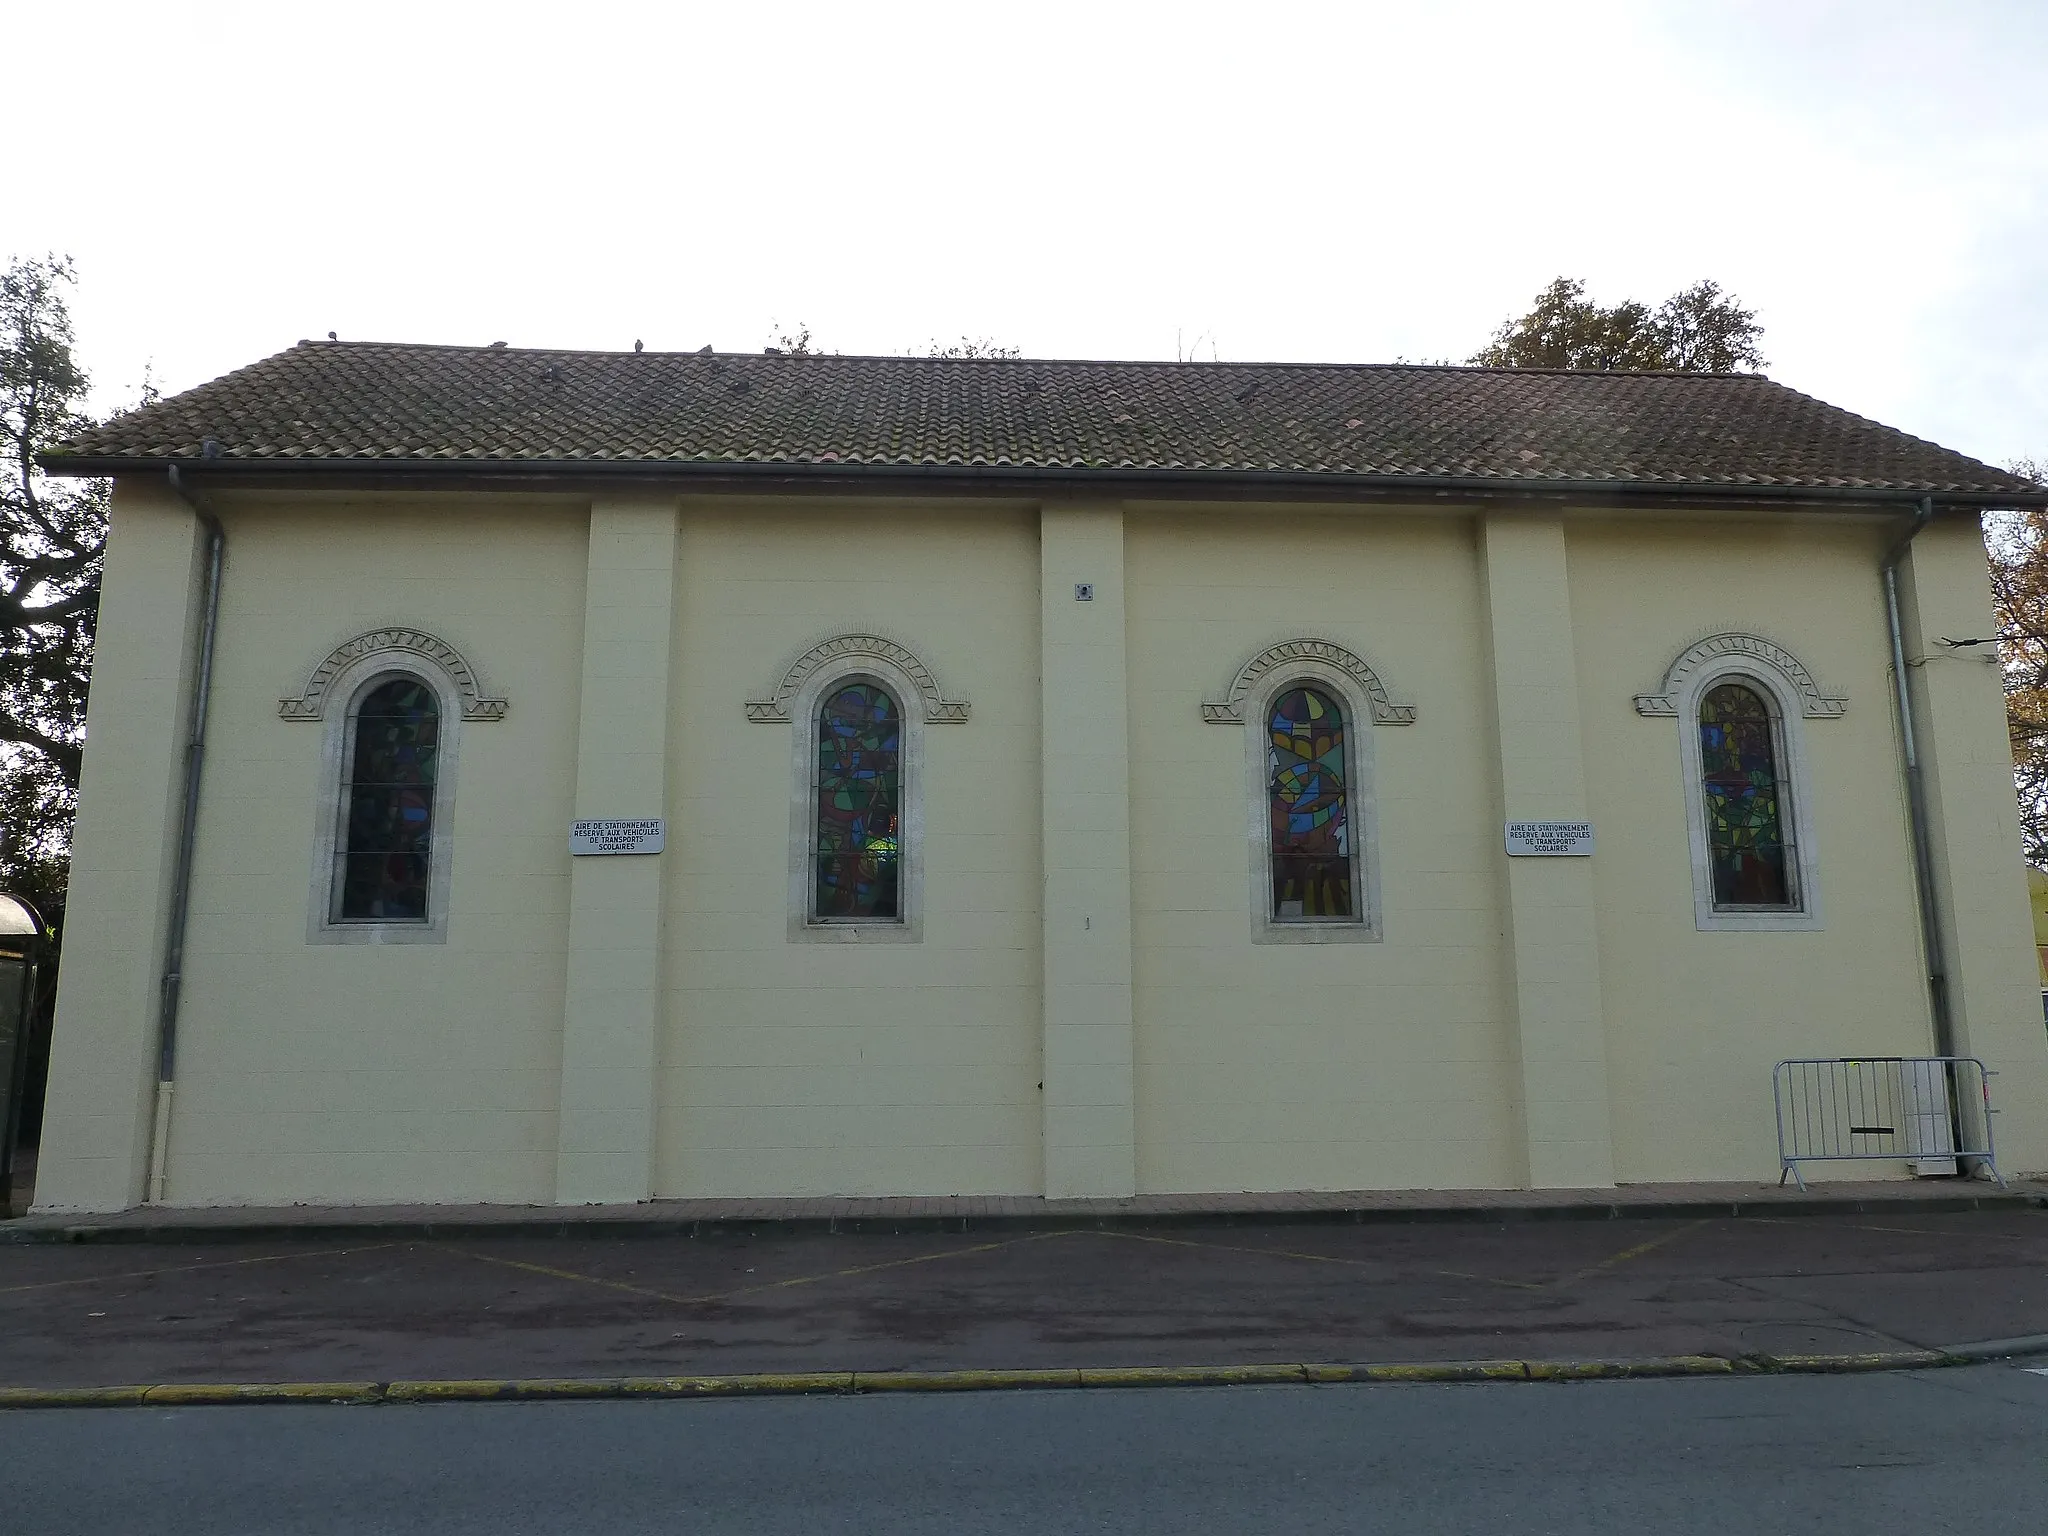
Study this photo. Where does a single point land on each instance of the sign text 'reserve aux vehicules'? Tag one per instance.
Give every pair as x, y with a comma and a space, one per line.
586, 837
1550, 839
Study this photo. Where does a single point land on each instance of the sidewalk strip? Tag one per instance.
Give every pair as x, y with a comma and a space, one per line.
700, 1218
845, 1383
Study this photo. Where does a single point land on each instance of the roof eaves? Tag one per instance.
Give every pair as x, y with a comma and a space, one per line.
841, 475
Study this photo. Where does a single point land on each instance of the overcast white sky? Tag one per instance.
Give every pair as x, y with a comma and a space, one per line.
1327, 183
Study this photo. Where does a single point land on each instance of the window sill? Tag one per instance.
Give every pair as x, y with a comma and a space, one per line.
433, 931
1754, 920
1313, 931
854, 931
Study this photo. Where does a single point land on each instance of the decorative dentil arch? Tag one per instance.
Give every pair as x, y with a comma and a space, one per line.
1229, 710
1716, 652
854, 649
402, 647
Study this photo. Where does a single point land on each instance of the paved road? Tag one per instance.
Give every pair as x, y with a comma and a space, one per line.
1962, 1451
1198, 1295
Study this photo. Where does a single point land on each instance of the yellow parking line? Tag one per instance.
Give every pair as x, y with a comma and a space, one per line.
1623, 1257
1636, 1252
1516, 1285
746, 1290
559, 1274
180, 1269
1314, 1258
1864, 1226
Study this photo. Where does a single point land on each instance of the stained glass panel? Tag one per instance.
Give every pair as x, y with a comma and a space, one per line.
388, 805
860, 798
1306, 799
1744, 801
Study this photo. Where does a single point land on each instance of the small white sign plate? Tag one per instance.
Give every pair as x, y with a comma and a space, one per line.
1550, 839
617, 836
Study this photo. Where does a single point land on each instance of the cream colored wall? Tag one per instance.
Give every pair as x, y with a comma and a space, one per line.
1695, 1020
314, 1072
1974, 825
96, 1120
1316, 1066
361, 1072
612, 1012
853, 1068
1553, 947
1087, 1055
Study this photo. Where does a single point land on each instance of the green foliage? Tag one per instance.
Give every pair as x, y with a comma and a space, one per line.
968, 346
1697, 330
2018, 545
800, 343
797, 343
52, 533
36, 807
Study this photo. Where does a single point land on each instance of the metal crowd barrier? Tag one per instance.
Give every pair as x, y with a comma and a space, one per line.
1932, 1110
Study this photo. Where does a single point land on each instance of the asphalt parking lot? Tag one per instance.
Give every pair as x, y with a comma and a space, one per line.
602, 1305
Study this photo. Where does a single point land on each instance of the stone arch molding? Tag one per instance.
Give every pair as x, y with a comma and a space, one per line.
1815, 702
938, 710
1229, 710
400, 646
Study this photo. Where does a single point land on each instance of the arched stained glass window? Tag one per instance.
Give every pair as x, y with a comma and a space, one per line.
858, 851
1308, 808
388, 804
1744, 798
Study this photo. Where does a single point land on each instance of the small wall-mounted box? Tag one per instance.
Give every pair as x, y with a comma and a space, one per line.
1084, 591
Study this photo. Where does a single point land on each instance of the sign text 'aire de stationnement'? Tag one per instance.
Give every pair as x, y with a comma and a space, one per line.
586, 837
1550, 839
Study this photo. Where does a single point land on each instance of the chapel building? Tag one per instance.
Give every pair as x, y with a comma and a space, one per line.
641, 775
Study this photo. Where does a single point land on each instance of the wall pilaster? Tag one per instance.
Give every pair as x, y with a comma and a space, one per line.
1090, 1117
1979, 873
1553, 947
611, 1021
97, 1115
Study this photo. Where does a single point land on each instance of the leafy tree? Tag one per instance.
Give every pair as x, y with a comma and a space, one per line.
52, 533
1697, 330
2018, 543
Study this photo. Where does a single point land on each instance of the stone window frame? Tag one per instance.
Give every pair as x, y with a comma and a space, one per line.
1358, 691
797, 701
332, 698
1792, 697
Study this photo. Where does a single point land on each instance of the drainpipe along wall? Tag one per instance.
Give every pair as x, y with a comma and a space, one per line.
1916, 794
188, 830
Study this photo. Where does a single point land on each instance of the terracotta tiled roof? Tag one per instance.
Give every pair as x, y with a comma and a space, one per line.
341, 404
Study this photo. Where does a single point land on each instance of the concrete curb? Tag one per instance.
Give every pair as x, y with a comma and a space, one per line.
2002, 1349
843, 1383
37, 1230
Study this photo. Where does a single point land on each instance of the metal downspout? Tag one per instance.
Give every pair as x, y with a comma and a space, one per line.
188, 830
1916, 795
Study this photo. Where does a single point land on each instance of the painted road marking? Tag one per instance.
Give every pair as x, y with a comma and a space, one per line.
1314, 1258
1636, 1252
1864, 1226
1605, 1264
745, 1290
180, 1269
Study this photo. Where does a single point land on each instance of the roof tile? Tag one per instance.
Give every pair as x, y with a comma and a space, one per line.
362, 403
